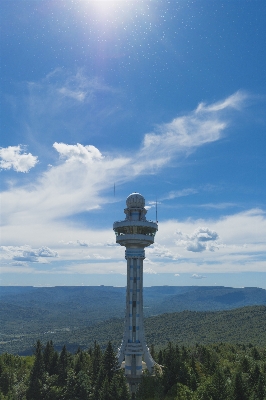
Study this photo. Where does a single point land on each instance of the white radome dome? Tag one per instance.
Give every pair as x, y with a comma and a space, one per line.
135, 200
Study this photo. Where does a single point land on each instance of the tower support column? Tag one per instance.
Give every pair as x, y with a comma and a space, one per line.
135, 233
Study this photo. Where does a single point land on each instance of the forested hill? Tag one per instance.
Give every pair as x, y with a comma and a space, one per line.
245, 325
32, 309
27, 313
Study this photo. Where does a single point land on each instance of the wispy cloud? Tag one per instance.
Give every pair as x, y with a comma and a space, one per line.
185, 134
149, 271
179, 193
76, 182
160, 251
218, 206
235, 101
82, 172
197, 276
83, 243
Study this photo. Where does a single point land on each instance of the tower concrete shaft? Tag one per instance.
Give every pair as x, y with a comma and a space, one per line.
135, 233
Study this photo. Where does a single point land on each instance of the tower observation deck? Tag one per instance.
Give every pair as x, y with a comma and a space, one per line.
135, 233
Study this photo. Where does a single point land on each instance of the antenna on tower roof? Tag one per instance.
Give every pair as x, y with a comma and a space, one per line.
156, 212
114, 189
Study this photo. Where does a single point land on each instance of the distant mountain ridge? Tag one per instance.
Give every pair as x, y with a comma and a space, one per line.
33, 309
242, 326
213, 299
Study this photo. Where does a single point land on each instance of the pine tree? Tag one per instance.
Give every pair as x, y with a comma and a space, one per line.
219, 386
260, 390
160, 357
239, 392
82, 362
254, 376
109, 362
152, 351
183, 392
37, 375
171, 368
83, 387
69, 388
98, 383
48, 357
96, 356
120, 386
104, 393
63, 366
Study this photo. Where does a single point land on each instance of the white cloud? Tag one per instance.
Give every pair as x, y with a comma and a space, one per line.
160, 251
185, 134
241, 247
78, 87
149, 271
78, 95
22, 254
112, 244
19, 263
201, 239
15, 157
218, 206
36, 213
179, 193
196, 276
76, 183
236, 101
100, 257
83, 243
241, 243
78, 152
48, 104
46, 252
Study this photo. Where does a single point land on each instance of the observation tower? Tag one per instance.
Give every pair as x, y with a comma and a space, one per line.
135, 233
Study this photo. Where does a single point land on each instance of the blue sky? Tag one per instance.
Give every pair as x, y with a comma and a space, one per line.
164, 98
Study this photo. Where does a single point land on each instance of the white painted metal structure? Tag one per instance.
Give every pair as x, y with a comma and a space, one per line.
135, 233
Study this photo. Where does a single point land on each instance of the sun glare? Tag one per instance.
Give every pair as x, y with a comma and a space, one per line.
117, 11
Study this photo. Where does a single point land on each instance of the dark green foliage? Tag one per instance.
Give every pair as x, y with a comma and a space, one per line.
37, 376
211, 372
219, 386
235, 326
118, 387
260, 389
87, 375
109, 362
239, 391
110, 383
63, 365
71, 315
50, 358
151, 387
78, 386
14, 374
214, 372
172, 364
96, 356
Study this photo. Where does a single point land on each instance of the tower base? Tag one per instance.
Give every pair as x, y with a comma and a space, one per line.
133, 383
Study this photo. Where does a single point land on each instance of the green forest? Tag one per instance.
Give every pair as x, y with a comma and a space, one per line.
242, 325
199, 372
217, 355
